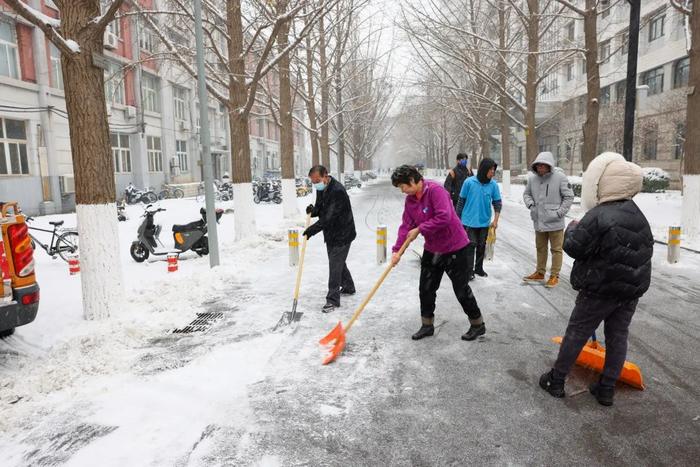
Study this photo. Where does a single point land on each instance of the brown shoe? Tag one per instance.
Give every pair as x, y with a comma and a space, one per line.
534, 277
552, 282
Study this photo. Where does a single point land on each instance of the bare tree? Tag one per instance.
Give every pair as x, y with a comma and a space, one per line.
78, 34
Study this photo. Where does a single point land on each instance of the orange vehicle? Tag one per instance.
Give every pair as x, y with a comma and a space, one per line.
19, 294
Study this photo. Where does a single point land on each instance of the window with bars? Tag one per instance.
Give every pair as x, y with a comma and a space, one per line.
56, 73
9, 55
604, 51
651, 142
121, 153
13, 147
180, 103
114, 84
656, 27
181, 152
681, 70
147, 40
155, 155
624, 42
149, 85
655, 80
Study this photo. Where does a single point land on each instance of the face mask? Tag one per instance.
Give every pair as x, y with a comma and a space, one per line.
463, 162
319, 186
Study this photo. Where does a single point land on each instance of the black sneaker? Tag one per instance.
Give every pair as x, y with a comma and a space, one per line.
328, 307
603, 394
425, 330
553, 385
474, 332
481, 273
347, 292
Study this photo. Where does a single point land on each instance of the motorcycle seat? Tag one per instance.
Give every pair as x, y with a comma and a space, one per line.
187, 227
57, 223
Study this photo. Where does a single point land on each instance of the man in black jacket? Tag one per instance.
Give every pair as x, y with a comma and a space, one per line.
335, 219
612, 247
456, 177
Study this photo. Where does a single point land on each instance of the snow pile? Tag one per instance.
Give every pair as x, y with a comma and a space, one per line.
655, 174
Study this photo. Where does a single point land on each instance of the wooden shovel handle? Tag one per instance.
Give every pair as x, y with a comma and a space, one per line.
301, 259
364, 303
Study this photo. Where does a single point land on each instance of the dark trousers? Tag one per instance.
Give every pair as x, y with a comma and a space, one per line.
585, 319
338, 273
477, 243
432, 267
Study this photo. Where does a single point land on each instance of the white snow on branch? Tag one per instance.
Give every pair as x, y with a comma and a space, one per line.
49, 21
73, 46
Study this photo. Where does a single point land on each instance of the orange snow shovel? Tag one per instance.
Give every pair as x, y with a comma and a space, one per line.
288, 317
336, 338
593, 356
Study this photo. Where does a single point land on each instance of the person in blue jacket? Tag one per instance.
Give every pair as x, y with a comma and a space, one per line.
478, 196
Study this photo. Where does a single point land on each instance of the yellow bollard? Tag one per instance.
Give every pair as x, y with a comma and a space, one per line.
381, 244
674, 244
293, 236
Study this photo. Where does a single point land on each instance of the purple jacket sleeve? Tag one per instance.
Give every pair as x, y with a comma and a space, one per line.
406, 225
442, 210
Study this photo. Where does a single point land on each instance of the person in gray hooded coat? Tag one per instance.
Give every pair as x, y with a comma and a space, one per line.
548, 196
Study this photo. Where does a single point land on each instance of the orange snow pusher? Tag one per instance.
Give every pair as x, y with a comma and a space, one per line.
336, 338
592, 356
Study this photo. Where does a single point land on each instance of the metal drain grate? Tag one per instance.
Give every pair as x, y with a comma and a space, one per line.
200, 323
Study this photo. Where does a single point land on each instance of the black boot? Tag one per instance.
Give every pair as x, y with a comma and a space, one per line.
603, 394
477, 328
425, 330
481, 273
553, 384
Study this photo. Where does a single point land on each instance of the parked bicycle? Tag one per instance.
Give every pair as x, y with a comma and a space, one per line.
64, 243
169, 191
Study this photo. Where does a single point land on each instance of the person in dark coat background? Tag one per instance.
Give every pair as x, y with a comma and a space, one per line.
336, 221
456, 177
612, 247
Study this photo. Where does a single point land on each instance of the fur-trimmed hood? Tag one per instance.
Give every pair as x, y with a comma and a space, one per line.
609, 177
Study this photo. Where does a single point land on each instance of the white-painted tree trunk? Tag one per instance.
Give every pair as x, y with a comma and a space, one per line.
690, 212
506, 183
100, 264
290, 208
243, 211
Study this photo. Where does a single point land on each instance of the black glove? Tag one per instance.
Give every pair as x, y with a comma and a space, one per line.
308, 233
309, 209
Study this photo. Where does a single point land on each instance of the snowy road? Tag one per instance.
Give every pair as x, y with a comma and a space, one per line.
132, 392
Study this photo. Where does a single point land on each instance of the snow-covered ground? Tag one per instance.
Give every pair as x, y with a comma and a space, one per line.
130, 391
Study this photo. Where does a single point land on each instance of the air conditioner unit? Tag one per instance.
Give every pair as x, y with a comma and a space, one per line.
111, 40
184, 124
130, 111
67, 183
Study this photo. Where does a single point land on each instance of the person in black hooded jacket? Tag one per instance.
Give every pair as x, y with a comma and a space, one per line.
456, 177
612, 247
335, 219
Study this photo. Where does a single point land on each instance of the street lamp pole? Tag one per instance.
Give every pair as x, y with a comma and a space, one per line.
631, 96
204, 138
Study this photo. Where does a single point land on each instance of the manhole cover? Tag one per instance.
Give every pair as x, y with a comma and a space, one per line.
200, 323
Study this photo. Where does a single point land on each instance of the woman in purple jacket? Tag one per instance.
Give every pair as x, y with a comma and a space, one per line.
429, 212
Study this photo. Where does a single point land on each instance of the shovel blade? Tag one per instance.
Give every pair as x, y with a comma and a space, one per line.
336, 340
592, 356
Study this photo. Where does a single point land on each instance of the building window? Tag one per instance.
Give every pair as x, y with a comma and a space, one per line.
147, 41
114, 84
9, 58
180, 103
571, 31
655, 80
679, 145
13, 147
604, 51
149, 87
121, 152
155, 155
261, 127
620, 90
550, 86
56, 73
656, 27
605, 96
681, 70
582, 105
604, 8
181, 152
569, 71
520, 154
625, 42
651, 140
583, 66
